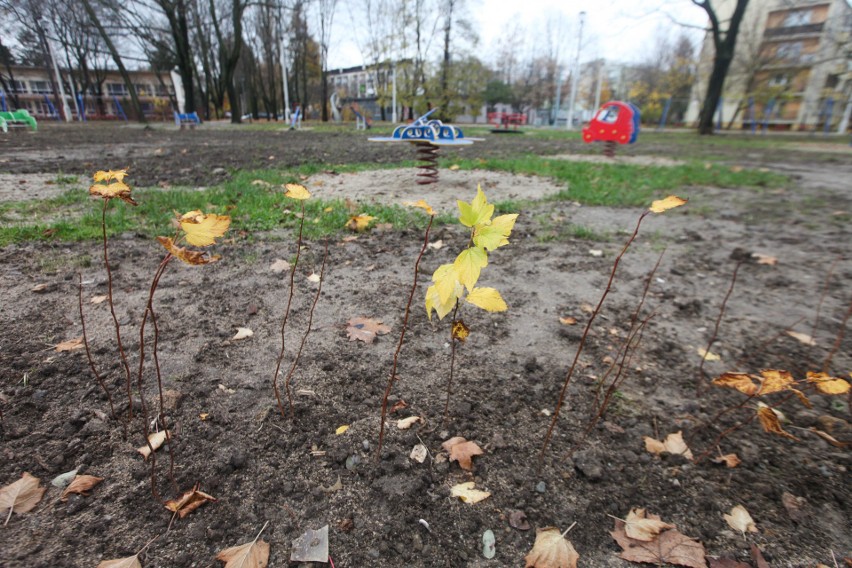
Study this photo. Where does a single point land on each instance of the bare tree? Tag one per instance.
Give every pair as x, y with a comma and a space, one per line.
325, 16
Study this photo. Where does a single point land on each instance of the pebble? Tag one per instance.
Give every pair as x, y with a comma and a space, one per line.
352, 462
541, 487
489, 548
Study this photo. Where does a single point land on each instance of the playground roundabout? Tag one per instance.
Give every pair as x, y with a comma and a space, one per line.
789, 245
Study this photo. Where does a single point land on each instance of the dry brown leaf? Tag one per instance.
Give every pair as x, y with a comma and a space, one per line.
764, 259
727, 563
769, 381
419, 453
279, 266
80, 485
189, 501
21, 496
359, 223
186, 255
771, 424
827, 384
462, 451
739, 520
803, 338
129, 562
669, 547
708, 355
795, 506
253, 554
70, 345
460, 331
98, 299
314, 278
406, 423
757, 556
644, 527
673, 444
568, 320
155, 439
467, 493
366, 329
730, 460
242, 333
551, 550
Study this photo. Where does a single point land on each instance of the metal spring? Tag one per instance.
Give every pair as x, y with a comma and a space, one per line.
609, 148
428, 154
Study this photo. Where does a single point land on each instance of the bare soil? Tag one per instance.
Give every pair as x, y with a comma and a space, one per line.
394, 511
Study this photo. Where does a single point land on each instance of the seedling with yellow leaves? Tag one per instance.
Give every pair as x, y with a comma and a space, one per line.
454, 284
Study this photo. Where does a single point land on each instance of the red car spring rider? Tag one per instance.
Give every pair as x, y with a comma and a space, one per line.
615, 122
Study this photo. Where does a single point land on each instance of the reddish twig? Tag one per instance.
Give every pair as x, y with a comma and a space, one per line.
560, 401
287, 314
393, 377
700, 379
305, 336
121, 352
89, 352
452, 365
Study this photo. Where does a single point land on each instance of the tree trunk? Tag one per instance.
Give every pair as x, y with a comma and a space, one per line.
128, 82
445, 68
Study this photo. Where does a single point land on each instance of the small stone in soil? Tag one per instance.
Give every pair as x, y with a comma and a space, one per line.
541, 487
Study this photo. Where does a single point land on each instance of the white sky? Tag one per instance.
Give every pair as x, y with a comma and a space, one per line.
617, 30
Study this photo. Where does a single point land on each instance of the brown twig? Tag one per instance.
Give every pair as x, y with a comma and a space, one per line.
305, 336
700, 379
823, 294
452, 366
121, 352
89, 352
392, 378
287, 314
826, 364
560, 401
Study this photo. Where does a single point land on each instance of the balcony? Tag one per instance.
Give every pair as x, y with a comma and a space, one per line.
807, 29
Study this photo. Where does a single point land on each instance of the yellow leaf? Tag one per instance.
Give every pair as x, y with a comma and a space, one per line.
495, 234
202, 230
551, 550
116, 189
488, 299
446, 281
341, 429
468, 264
423, 205
827, 384
117, 175
774, 380
297, 191
359, 223
460, 331
769, 420
467, 493
192, 257
477, 211
740, 520
669, 202
742, 382
707, 355
433, 302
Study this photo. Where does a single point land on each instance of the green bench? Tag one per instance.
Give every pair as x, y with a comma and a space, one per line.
17, 118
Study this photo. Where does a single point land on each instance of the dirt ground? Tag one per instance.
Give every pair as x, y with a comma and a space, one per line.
299, 474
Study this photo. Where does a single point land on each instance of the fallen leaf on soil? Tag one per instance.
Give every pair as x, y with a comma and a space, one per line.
757, 556
551, 550
311, 546
242, 333
341, 429
587, 308
803, 338
769, 420
38, 288
359, 223
279, 266
62, 480
314, 277
80, 485
253, 554
296, 191
739, 520
189, 501
462, 451
98, 299
795, 506
827, 384
21, 496
568, 320
419, 453
673, 444
129, 562
156, 440
453, 168
829, 438
406, 423
764, 259
467, 493
518, 520
669, 202
707, 355
730, 460
769, 381
398, 405
336, 486
727, 563
70, 345
366, 329
437, 245
644, 527
669, 547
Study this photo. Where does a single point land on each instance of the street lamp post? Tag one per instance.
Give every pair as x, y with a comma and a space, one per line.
576, 76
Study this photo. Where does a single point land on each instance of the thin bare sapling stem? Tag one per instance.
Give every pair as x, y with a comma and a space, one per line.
452, 366
561, 400
92, 366
287, 314
121, 352
305, 336
699, 382
826, 364
393, 376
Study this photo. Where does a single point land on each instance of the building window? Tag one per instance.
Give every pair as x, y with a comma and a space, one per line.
18, 86
779, 80
791, 50
797, 18
116, 89
40, 87
143, 90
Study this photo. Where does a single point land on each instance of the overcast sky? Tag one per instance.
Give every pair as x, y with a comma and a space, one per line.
617, 30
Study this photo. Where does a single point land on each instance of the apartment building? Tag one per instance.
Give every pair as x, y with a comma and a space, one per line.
792, 69
31, 88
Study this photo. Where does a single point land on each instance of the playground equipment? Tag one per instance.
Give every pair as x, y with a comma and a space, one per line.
189, 120
615, 122
296, 118
361, 122
428, 136
506, 119
17, 119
